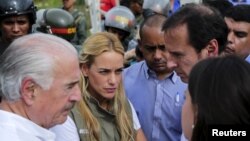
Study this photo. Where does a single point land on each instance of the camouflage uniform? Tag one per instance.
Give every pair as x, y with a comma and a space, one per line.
81, 27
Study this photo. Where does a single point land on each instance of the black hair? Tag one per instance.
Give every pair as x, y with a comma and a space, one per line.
239, 12
221, 5
219, 87
203, 24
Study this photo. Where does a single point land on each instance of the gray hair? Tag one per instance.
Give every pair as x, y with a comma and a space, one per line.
33, 56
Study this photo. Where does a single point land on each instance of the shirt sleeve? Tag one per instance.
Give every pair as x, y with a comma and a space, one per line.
66, 131
136, 122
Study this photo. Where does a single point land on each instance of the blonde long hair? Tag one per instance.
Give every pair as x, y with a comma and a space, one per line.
94, 46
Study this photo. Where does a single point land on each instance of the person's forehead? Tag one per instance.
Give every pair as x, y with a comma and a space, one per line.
176, 30
152, 34
243, 27
108, 58
16, 17
176, 35
148, 29
229, 20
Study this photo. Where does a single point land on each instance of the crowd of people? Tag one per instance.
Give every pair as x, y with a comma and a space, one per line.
157, 72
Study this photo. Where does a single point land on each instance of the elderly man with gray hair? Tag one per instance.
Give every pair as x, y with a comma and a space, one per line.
39, 77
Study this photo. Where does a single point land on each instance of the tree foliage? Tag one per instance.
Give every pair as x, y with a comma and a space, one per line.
47, 3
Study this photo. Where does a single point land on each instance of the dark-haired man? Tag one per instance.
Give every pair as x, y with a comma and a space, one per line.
238, 22
193, 33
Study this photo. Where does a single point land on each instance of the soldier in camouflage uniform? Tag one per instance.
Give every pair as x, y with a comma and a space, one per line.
79, 20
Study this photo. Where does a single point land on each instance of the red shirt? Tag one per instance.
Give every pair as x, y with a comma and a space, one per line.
106, 5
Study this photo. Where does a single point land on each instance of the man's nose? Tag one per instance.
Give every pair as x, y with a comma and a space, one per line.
171, 63
76, 96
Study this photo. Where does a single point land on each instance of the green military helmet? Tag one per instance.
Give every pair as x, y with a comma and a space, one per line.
120, 17
56, 21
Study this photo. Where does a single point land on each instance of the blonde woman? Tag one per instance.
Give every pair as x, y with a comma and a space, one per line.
104, 114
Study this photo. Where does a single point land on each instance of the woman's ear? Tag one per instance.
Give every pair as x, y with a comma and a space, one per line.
84, 69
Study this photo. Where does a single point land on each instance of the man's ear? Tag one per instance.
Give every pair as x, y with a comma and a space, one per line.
84, 69
28, 90
212, 48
